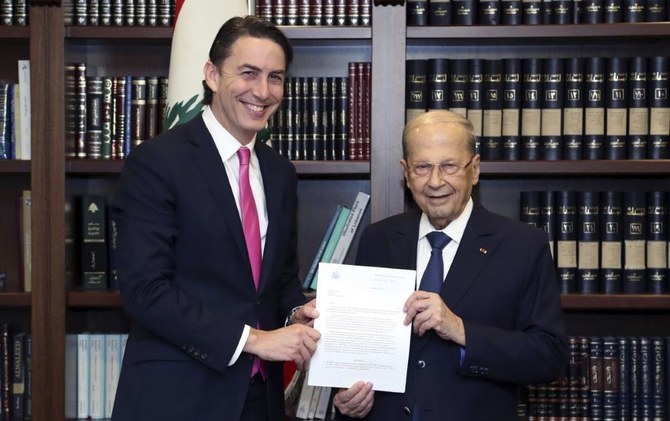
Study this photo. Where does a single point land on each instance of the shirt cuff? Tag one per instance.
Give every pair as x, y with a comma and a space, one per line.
240, 345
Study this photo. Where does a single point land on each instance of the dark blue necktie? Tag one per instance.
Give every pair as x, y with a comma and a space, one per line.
434, 273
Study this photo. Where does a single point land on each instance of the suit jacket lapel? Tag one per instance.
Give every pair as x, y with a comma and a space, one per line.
274, 189
476, 249
206, 157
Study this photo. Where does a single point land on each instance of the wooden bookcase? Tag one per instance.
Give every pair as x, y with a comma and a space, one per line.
50, 311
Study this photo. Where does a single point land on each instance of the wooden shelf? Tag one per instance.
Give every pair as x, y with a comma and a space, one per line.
327, 32
14, 166
541, 33
94, 299
15, 299
119, 32
339, 168
616, 302
577, 168
15, 32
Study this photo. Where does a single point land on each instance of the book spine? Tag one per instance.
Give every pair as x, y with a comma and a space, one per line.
573, 109
616, 106
438, 71
343, 117
332, 110
623, 407
313, 123
646, 378
464, 12
350, 227
611, 232
119, 117
593, 12
112, 370
531, 12
152, 12
353, 10
365, 12
511, 110
361, 89
594, 108
18, 391
97, 376
93, 11
547, 12
659, 108
28, 359
531, 112
107, 117
416, 88
353, 111
94, 117
151, 115
510, 13
613, 11
5, 118
138, 104
329, 12
530, 208
70, 89
162, 102
634, 11
325, 123
634, 223
475, 99
588, 242
128, 122
656, 11
552, 108
596, 379
288, 133
439, 12
491, 141
562, 12
82, 370
457, 88
80, 137
117, 12
548, 218
129, 12
417, 12
367, 110
657, 242
635, 379
566, 240
610, 377
24, 114
659, 392
489, 12
94, 271
322, 247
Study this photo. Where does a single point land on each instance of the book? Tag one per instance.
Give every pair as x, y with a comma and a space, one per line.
624, 377
475, 99
94, 94
26, 240
510, 13
28, 367
457, 87
594, 108
321, 248
350, 227
112, 370
416, 88
439, 12
305, 400
24, 109
83, 377
531, 12
488, 12
657, 242
566, 240
96, 373
613, 11
438, 72
490, 143
593, 12
71, 375
464, 12
107, 115
332, 243
93, 242
588, 242
18, 390
531, 112
655, 11
610, 377
659, 108
634, 11
551, 124
530, 208
511, 110
596, 382
611, 247
573, 108
138, 105
417, 12
548, 218
81, 109
6, 148
616, 108
634, 239
6, 376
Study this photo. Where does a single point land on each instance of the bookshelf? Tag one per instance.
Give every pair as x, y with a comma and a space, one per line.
51, 311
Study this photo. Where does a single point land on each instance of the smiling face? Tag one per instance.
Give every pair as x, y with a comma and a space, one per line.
441, 197
248, 87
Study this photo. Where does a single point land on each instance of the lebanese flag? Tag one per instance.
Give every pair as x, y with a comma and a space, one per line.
196, 25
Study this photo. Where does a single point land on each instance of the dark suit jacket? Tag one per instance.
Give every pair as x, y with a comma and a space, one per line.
186, 282
503, 285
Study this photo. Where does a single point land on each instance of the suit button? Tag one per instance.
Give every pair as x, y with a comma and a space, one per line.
406, 411
196, 353
421, 364
203, 356
191, 349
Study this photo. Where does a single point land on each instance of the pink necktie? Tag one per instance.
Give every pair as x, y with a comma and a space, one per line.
252, 232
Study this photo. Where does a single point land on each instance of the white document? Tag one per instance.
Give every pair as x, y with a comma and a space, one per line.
361, 323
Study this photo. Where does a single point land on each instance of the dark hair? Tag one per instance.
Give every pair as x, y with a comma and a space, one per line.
236, 28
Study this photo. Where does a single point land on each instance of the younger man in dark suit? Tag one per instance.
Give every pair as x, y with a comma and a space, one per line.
207, 298
494, 323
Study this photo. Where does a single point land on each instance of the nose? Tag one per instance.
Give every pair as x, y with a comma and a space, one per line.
261, 88
435, 178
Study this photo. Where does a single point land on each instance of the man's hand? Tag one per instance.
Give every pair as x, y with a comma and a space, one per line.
428, 311
305, 315
355, 402
295, 343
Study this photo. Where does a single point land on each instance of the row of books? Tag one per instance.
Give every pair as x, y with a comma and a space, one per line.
551, 108
315, 12
119, 12
604, 242
15, 373
90, 240
325, 118
532, 12
15, 115
106, 116
92, 368
14, 12
608, 378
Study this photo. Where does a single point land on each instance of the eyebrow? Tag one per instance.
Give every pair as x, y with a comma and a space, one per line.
258, 69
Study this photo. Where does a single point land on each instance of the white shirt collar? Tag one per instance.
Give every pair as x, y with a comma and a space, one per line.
454, 230
226, 144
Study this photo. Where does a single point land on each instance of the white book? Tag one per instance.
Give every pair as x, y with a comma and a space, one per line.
305, 400
322, 404
24, 109
83, 344
350, 227
71, 364
313, 403
97, 376
112, 370
124, 341
26, 211
16, 119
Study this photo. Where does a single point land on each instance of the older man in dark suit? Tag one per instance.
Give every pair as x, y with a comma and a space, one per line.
491, 320
207, 250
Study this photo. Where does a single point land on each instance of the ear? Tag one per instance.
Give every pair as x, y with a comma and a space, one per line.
405, 171
475, 169
212, 75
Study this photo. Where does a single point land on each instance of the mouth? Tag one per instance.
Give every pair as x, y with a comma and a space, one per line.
255, 108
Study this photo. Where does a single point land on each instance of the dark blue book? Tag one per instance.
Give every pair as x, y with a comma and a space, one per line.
548, 218
616, 108
416, 88
459, 71
566, 240
634, 236
646, 379
594, 108
511, 110
531, 109
551, 126
573, 108
611, 245
596, 376
657, 242
588, 242
610, 377
659, 392
491, 145
476, 92
624, 378
638, 109
530, 208
635, 378
438, 73
659, 103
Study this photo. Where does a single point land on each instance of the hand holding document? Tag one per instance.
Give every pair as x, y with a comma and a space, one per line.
361, 323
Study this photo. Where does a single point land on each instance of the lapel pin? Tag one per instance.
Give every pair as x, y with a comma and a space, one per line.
482, 250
